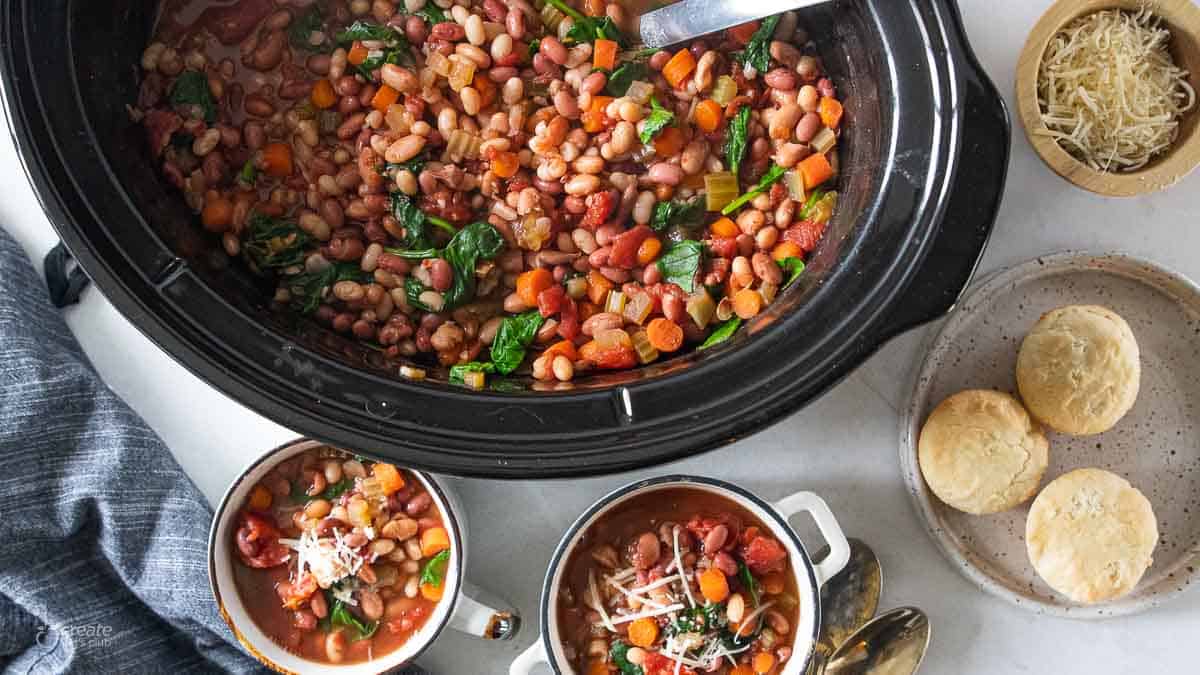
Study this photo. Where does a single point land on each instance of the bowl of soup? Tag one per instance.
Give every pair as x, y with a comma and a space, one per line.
685, 574
320, 559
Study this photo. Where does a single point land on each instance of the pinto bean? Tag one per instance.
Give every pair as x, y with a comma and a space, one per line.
400, 529
554, 50
418, 505
766, 269
725, 562
370, 603
259, 106
645, 551
781, 78
715, 538
351, 126
269, 52
601, 321
807, 127
401, 79
514, 23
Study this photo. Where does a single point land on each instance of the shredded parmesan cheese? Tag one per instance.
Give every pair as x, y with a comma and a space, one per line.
598, 602
1109, 91
646, 614
329, 560
679, 566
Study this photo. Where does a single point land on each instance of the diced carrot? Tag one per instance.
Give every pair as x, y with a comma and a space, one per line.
787, 249
323, 95
669, 142
260, 498
383, 98
773, 583
588, 350
564, 348
217, 214
431, 592
724, 228
664, 335
277, 159
713, 585
530, 284
434, 541
679, 67
604, 54
505, 164
648, 251
742, 669
594, 118
643, 632
741, 34
815, 169
389, 477
357, 54
598, 287
597, 667
831, 112
747, 303
708, 115
486, 88
763, 662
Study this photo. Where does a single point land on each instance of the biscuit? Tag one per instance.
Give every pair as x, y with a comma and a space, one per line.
1090, 535
981, 453
1078, 370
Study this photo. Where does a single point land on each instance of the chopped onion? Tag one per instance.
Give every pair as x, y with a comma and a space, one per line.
638, 308
645, 351
795, 185
724, 90
640, 91
824, 141
701, 308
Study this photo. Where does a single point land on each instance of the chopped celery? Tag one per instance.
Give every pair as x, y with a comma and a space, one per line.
615, 302
638, 308
701, 308
645, 351
795, 185
719, 189
725, 90
824, 141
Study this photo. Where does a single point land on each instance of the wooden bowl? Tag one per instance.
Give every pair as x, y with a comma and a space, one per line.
1182, 17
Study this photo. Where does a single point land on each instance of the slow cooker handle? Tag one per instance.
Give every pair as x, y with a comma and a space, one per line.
970, 212
827, 524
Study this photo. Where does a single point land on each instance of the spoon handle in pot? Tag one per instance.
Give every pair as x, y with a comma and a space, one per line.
690, 19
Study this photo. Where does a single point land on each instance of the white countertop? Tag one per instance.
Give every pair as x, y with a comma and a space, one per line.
843, 446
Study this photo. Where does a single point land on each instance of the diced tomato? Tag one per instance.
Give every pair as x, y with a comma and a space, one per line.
700, 527
722, 247
658, 664
805, 234
258, 542
764, 555
600, 206
625, 246
550, 300
568, 320
299, 591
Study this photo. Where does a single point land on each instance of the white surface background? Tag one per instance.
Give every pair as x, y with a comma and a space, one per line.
843, 446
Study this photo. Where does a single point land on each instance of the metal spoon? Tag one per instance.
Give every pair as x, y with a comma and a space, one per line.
848, 600
690, 19
893, 643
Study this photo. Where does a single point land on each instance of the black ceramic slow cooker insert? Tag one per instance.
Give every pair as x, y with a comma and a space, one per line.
923, 161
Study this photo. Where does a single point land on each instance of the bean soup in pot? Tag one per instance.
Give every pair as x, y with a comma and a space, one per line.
339, 559
497, 186
678, 580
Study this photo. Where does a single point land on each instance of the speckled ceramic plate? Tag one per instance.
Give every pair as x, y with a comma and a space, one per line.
1156, 446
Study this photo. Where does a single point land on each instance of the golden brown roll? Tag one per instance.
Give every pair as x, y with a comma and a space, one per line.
1090, 535
1078, 370
981, 453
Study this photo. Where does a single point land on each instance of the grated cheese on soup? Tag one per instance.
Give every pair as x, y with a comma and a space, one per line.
1109, 90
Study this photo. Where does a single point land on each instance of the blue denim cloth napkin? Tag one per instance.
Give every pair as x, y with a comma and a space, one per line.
103, 538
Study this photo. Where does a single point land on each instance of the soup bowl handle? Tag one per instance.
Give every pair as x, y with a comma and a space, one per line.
481, 620
525, 663
839, 548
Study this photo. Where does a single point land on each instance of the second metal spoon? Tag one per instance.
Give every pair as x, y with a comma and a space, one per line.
848, 601
892, 643
689, 19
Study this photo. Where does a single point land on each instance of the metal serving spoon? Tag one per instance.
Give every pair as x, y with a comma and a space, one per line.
893, 643
848, 601
690, 19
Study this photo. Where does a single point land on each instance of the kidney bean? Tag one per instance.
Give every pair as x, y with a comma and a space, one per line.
351, 126
593, 84
553, 49
766, 269
268, 54
347, 85
715, 539
418, 505
440, 274
370, 603
447, 31
725, 562
295, 89
348, 105
601, 321
233, 23
651, 275
259, 106
781, 78
366, 94
377, 204
304, 619
514, 23
318, 64
665, 174
807, 127
646, 551
673, 308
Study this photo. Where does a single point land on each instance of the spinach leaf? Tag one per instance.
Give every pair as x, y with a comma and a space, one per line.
337, 489
619, 655
589, 29
660, 118
475, 242
308, 288
773, 174
412, 292
301, 30
758, 50
516, 333
534, 47
432, 14
505, 385
736, 139
680, 264
749, 582
275, 244
396, 57
415, 165
339, 615
699, 619
794, 267
435, 570
625, 75
364, 31
722, 333
191, 88
457, 372
413, 220
676, 213
299, 493
249, 173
